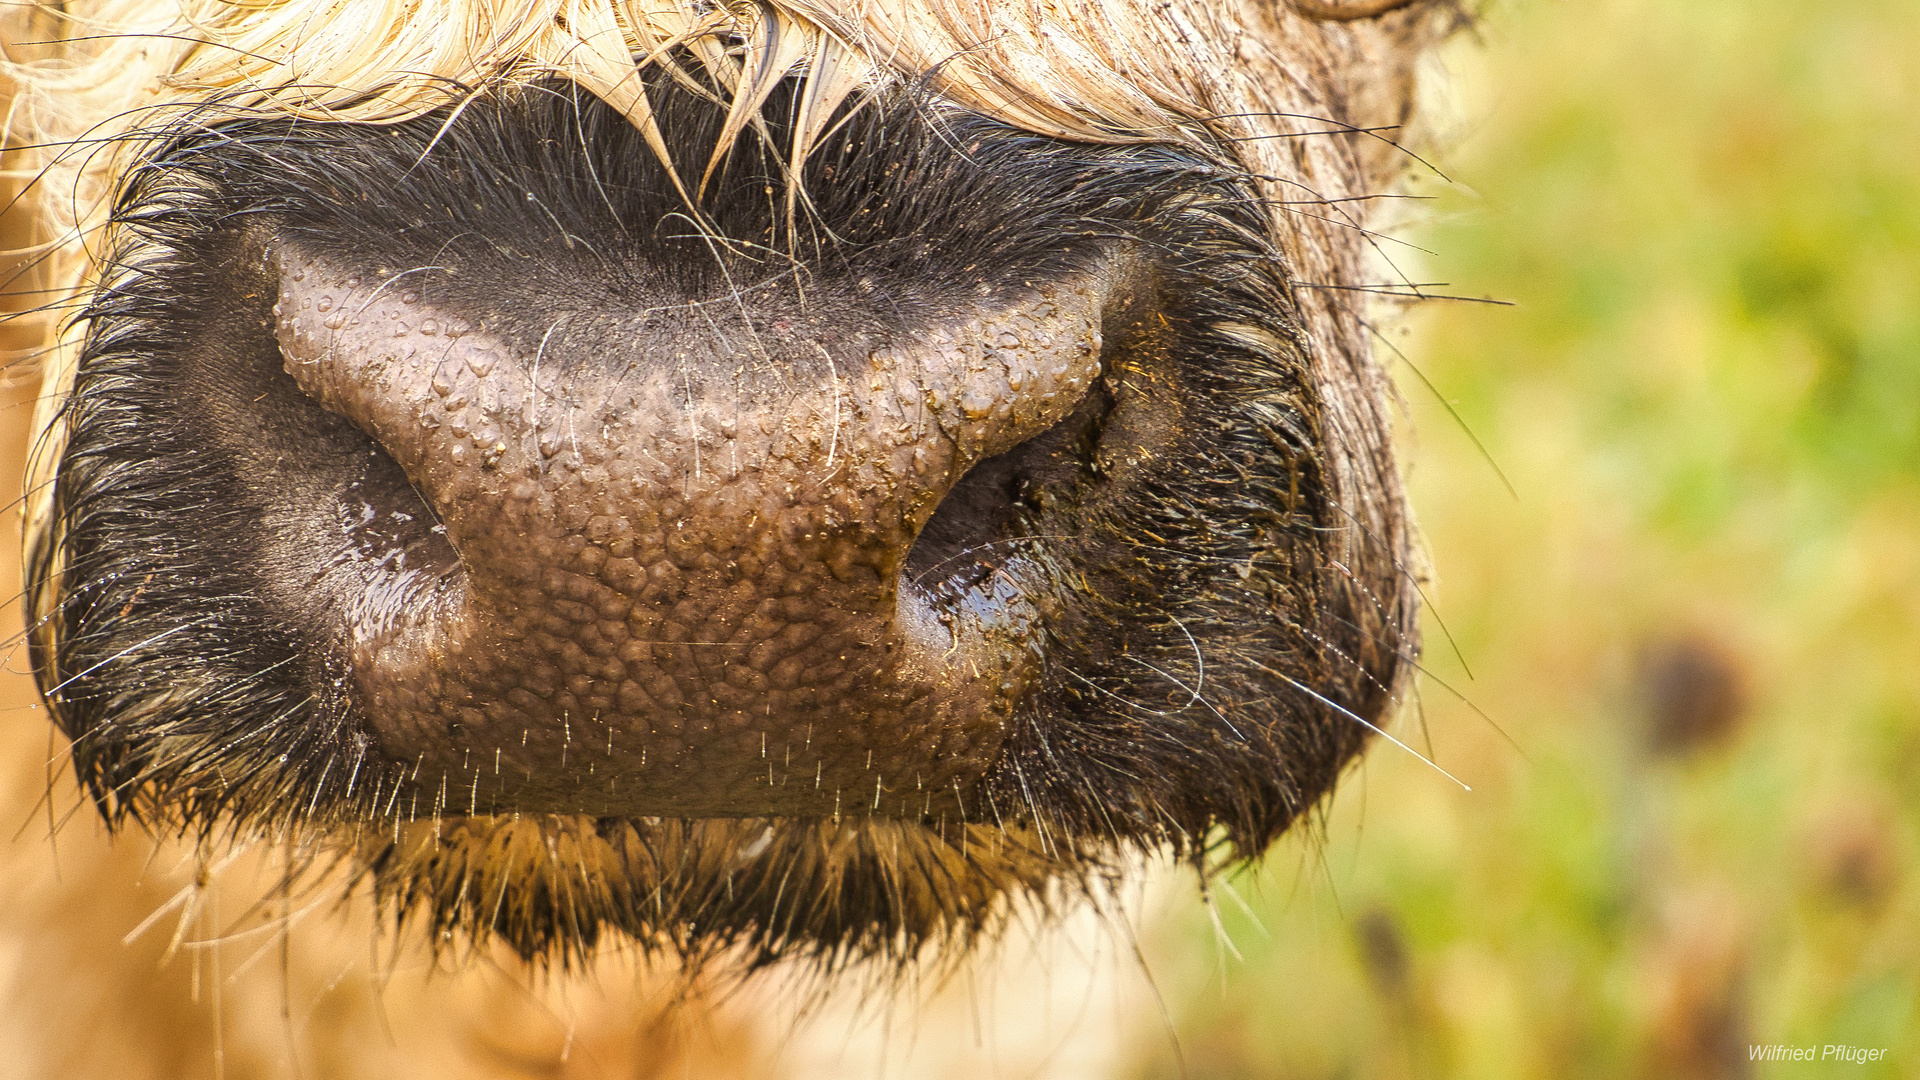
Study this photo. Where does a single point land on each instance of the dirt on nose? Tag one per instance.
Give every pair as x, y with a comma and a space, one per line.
671, 537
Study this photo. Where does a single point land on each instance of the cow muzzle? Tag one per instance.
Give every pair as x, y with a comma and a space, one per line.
663, 568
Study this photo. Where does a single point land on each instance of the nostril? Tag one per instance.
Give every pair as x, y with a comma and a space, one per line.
962, 539
392, 534
976, 512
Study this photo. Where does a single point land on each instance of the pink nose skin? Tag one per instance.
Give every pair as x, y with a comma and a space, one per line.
680, 533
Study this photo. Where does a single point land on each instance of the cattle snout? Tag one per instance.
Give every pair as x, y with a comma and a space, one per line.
668, 570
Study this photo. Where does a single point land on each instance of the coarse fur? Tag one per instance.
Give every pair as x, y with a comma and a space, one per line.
1250, 619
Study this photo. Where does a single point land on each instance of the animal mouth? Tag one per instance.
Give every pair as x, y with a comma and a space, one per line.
661, 561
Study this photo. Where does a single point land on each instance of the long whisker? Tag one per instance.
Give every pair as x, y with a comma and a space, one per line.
1361, 720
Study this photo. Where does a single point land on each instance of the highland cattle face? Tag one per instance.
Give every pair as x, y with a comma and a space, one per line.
795, 477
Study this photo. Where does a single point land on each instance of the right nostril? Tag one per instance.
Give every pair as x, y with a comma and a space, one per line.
987, 505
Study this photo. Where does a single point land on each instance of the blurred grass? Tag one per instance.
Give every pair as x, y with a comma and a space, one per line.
1700, 619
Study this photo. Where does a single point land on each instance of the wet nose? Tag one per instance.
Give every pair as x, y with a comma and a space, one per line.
681, 529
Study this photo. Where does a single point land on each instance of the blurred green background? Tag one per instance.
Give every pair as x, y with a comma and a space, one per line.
1699, 617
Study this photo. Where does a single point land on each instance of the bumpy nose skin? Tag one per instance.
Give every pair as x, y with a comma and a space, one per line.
680, 533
